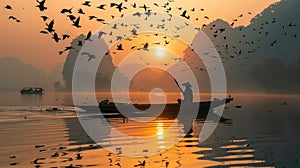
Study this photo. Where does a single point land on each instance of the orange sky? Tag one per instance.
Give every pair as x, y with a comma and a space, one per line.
23, 40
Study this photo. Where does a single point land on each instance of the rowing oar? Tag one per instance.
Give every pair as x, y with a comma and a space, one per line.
178, 85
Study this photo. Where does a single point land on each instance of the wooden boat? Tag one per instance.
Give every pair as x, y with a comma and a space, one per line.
32, 90
110, 109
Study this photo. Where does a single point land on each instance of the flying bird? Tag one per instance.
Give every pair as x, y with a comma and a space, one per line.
184, 15
43, 32
71, 17
87, 3
8, 7
88, 36
14, 18
41, 5
134, 5
65, 36
100, 20
50, 26
79, 43
138, 14
63, 11
206, 17
146, 46
101, 6
55, 37
76, 23
118, 6
92, 17
144, 7
80, 11
120, 47
44, 18
90, 57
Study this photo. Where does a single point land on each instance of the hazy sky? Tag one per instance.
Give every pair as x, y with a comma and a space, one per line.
23, 40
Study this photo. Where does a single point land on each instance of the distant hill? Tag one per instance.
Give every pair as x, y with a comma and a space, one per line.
15, 75
263, 56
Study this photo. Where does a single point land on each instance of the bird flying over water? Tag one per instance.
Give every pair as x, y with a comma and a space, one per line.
90, 56
55, 37
184, 15
8, 7
41, 5
50, 26
87, 3
76, 23
63, 11
101, 6
118, 6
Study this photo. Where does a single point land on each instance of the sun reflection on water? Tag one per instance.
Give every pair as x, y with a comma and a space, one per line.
160, 135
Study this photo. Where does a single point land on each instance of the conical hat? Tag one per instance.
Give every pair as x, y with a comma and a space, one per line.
187, 84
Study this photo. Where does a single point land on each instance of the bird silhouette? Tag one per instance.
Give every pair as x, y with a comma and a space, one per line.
71, 17
88, 36
120, 47
101, 6
76, 23
41, 5
184, 15
92, 17
55, 37
118, 164
45, 18
141, 164
14, 18
68, 48
43, 32
90, 57
133, 32
8, 7
100, 20
80, 11
118, 6
79, 43
63, 11
134, 5
87, 3
49, 27
144, 7
146, 46
119, 38
65, 36
100, 34
114, 26
138, 14
206, 17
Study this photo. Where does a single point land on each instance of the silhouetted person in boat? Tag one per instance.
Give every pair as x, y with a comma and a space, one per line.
187, 102
187, 93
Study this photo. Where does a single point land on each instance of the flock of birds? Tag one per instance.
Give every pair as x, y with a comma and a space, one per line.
75, 18
75, 15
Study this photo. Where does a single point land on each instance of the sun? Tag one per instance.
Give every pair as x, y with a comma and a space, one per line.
160, 52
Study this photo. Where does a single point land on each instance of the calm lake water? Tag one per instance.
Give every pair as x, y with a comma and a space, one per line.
264, 132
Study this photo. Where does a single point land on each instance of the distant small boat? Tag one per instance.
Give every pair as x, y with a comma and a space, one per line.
32, 90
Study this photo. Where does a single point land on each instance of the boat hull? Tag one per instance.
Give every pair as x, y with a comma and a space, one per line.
169, 111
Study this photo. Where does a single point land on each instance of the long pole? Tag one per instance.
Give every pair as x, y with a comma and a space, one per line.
178, 85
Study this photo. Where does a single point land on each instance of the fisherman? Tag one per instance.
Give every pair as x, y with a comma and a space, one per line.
187, 93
